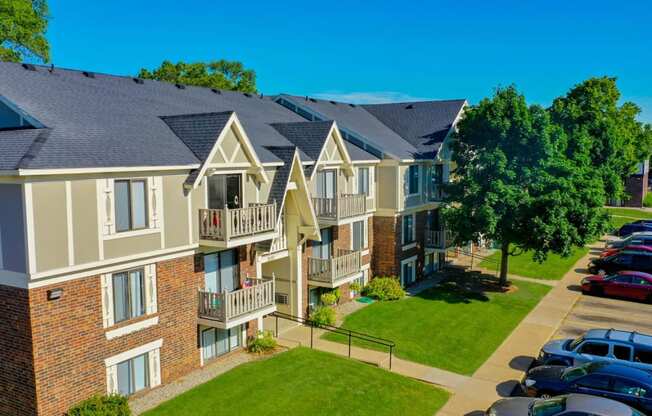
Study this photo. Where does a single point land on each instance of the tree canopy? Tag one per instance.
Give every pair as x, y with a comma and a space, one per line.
222, 74
514, 184
603, 133
22, 30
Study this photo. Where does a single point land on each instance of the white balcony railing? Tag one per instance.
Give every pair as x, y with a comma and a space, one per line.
225, 306
331, 270
341, 207
224, 224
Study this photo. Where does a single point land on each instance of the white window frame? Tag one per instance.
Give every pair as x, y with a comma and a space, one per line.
419, 176
408, 244
365, 232
370, 181
413, 260
151, 302
153, 351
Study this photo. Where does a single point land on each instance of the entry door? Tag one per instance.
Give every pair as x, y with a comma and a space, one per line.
224, 190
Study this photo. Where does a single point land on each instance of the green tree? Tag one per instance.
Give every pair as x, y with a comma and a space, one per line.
222, 74
513, 184
602, 133
22, 30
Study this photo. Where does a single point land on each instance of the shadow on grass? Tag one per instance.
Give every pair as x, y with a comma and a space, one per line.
464, 287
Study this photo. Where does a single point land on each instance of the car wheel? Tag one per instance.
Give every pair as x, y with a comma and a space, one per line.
597, 290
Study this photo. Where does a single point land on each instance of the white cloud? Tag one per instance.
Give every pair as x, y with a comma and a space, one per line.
368, 97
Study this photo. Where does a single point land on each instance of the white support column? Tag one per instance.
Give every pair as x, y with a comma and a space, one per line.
260, 323
299, 280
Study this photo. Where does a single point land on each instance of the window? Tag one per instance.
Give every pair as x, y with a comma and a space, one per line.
224, 190
322, 249
642, 261
326, 184
216, 342
622, 279
359, 240
128, 295
408, 229
133, 375
429, 263
550, 407
130, 204
623, 259
363, 181
640, 281
221, 271
594, 348
413, 179
408, 272
594, 381
623, 352
628, 387
643, 356
281, 298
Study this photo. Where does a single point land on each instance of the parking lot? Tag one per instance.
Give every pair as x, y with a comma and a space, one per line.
596, 312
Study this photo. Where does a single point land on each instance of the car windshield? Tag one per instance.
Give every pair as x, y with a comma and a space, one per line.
636, 413
548, 407
575, 343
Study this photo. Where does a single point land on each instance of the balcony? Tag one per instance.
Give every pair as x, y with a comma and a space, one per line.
229, 309
335, 271
436, 193
330, 211
225, 228
438, 239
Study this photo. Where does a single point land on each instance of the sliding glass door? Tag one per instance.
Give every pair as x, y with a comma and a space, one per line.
221, 271
224, 190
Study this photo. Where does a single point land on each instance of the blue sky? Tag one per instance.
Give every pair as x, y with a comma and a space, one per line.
371, 51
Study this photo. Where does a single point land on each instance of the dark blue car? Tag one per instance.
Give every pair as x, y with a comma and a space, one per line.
635, 227
628, 385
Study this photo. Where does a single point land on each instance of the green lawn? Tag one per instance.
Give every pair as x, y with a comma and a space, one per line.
306, 382
621, 216
446, 327
554, 268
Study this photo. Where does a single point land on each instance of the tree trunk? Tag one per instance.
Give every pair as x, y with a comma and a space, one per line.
504, 263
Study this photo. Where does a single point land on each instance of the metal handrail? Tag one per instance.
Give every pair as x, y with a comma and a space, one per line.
338, 330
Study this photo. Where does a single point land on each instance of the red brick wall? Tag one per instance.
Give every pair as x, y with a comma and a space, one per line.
385, 232
70, 344
636, 188
17, 391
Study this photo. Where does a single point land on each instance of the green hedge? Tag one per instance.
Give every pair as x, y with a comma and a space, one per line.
384, 288
112, 405
323, 315
263, 341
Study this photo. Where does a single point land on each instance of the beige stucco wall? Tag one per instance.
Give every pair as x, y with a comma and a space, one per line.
127, 246
84, 214
175, 211
386, 189
50, 225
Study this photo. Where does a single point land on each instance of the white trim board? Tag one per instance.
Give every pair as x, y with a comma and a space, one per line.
128, 329
135, 352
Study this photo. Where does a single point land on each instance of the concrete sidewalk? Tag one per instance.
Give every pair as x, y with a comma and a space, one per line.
498, 376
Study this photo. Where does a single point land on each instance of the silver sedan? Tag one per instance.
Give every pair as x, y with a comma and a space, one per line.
571, 404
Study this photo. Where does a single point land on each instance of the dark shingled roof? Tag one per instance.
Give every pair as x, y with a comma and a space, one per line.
425, 124
198, 131
113, 121
310, 136
277, 189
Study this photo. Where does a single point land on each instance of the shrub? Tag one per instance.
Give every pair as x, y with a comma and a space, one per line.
323, 315
647, 201
111, 405
264, 341
355, 287
328, 298
337, 294
384, 288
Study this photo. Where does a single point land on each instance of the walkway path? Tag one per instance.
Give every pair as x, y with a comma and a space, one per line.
498, 376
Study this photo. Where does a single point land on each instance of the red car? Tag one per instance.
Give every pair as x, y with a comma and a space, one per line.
626, 284
611, 251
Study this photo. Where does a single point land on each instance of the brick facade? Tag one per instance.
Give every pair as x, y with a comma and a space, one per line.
636, 188
17, 393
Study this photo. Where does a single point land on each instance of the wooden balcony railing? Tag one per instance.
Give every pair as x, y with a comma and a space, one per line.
441, 239
331, 270
343, 206
224, 224
224, 306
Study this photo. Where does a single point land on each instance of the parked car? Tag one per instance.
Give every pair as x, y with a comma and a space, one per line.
625, 384
611, 345
570, 405
633, 227
641, 238
625, 284
630, 249
625, 260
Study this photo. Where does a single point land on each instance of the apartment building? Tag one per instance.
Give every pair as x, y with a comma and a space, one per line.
148, 228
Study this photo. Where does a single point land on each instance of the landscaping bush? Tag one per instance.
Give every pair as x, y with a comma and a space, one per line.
323, 315
264, 341
328, 298
647, 201
355, 287
384, 288
111, 405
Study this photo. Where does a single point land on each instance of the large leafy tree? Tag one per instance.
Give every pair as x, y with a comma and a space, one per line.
22, 30
513, 183
222, 74
603, 133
